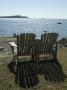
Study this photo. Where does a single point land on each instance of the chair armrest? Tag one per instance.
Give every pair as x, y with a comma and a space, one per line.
13, 44
14, 49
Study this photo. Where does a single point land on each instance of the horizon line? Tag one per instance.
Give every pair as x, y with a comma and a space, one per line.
33, 17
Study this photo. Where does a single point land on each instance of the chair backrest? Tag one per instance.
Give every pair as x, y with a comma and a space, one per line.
24, 43
47, 41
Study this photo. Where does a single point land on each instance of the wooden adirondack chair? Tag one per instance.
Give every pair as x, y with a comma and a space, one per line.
47, 46
24, 47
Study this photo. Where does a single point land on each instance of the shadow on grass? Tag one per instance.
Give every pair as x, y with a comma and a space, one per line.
26, 72
11, 67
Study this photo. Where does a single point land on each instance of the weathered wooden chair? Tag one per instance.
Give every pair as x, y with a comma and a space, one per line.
25, 46
23, 49
47, 46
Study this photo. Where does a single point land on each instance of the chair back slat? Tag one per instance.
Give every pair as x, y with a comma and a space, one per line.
24, 43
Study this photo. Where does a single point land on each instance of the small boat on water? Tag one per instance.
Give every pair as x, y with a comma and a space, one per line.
59, 23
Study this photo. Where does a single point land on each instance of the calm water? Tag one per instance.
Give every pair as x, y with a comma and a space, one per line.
37, 26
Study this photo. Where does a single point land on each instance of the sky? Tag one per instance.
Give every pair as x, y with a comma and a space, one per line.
34, 8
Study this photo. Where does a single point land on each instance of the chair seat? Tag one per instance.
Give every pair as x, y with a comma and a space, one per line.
45, 56
25, 58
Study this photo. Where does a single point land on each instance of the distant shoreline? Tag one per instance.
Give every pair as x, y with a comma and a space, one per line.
16, 16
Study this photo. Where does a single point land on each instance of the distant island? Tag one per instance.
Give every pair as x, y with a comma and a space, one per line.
15, 16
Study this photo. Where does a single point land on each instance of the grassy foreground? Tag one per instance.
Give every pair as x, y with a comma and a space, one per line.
7, 79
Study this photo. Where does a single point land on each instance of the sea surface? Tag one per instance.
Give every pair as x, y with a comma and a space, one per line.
38, 26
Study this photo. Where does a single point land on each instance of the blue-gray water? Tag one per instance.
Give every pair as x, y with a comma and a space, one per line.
37, 26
